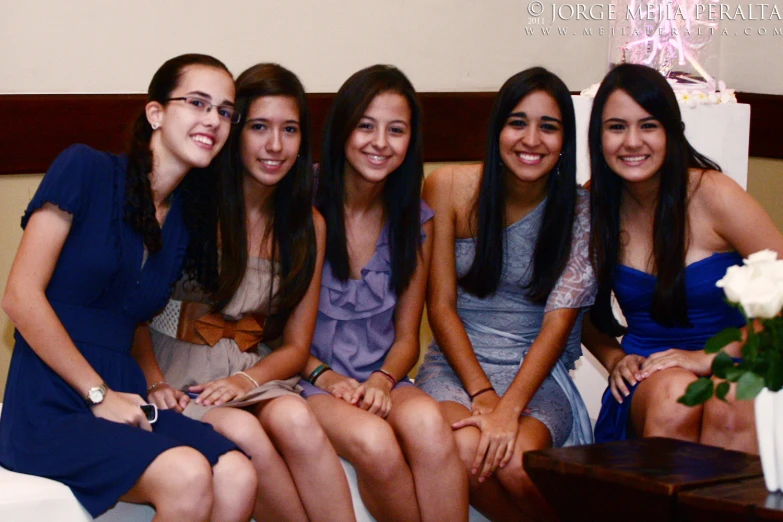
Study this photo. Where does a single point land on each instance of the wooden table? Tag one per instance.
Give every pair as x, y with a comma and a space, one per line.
742, 500
631, 481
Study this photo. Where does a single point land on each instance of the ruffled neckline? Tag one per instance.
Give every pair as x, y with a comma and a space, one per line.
370, 295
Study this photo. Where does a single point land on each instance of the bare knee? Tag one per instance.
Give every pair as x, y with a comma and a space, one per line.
533, 435
513, 475
235, 476
376, 450
467, 440
293, 425
244, 430
663, 415
728, 419
179, 484
423, 429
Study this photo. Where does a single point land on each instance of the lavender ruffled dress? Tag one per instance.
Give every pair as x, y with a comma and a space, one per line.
355, 327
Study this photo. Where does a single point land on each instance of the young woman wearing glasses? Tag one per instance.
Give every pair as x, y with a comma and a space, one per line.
105, 238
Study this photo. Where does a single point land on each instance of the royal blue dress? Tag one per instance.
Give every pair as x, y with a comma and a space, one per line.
100, 292
708, 314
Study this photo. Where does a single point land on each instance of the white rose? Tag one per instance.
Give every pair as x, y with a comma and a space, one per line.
770, 272
762, 256
735, 282
762, 299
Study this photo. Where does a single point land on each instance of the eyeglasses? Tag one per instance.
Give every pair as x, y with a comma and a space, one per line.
227, 112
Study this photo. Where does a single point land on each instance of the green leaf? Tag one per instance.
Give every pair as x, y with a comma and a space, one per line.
721, 339
697, 392
721, 390
749, 385
751, 348
721, 364
734, 373
775, 375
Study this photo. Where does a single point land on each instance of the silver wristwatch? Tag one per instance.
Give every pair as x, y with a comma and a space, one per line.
96, 395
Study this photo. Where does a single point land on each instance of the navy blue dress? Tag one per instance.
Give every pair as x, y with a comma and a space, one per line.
100, 292
708, 314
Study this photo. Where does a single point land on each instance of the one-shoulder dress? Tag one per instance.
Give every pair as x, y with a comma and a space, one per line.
100, 292
708, 313
355, 326
185, 364
503, 326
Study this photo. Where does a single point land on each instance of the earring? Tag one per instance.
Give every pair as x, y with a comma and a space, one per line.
154, 126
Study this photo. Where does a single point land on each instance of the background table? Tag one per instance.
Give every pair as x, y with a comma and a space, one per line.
631, 481
743, 500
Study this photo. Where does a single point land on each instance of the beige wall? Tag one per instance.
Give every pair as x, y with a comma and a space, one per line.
444, 45
15, 193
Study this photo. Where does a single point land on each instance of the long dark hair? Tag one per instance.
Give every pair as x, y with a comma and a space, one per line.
553, 246
402, 191
293, 231
197, 189
653, 93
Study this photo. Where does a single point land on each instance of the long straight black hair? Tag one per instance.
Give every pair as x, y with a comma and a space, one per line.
197, 189
653, 93
402, 191
293, 232
553, 246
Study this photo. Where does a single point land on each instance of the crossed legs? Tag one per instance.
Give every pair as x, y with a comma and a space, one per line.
509, 494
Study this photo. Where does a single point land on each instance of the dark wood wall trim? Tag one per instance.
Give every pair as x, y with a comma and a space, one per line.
36, 127
766, 124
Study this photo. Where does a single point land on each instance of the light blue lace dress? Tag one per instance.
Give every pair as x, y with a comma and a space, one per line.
503, 326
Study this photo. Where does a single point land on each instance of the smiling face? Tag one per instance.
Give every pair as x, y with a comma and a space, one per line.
270, 140
379, 143
532, 138
633, 141
186, 135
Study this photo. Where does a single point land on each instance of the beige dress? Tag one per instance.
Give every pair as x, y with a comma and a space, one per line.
185, 364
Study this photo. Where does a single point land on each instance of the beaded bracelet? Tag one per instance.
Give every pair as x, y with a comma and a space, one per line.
153, 386
248, 377
388, 375
323, 367
483, 390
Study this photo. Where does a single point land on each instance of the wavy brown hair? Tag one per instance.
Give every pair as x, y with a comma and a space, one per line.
293, 231
197, 189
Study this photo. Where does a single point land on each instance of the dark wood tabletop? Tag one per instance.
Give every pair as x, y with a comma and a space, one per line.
631, 481
742, 500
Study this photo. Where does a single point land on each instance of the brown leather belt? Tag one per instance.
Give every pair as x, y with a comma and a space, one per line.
198, 325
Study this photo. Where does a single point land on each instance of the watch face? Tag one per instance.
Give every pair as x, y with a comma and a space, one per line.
96, 395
